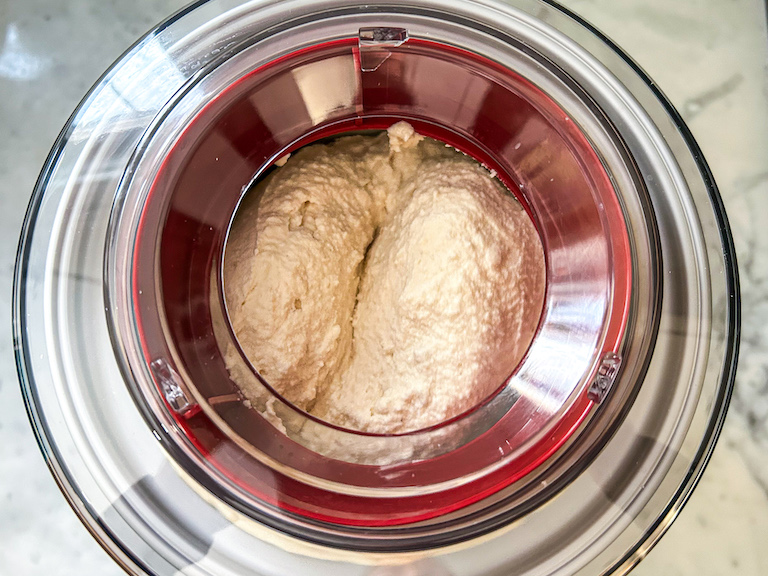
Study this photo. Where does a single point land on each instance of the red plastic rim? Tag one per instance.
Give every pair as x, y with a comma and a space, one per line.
508, 124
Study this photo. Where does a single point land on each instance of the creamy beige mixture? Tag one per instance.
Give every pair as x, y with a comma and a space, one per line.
383, 283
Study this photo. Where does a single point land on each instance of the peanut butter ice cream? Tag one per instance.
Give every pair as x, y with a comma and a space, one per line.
383, 283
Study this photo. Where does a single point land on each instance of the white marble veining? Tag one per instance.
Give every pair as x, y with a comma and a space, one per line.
711, 59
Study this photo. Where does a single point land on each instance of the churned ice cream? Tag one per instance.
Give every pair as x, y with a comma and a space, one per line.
382, 283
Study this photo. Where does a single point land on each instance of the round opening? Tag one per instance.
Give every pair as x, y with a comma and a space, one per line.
455, 96
356, 278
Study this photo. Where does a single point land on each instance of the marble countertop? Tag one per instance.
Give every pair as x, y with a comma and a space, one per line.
711, 59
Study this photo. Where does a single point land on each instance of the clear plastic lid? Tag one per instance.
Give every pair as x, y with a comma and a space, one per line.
609, 418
